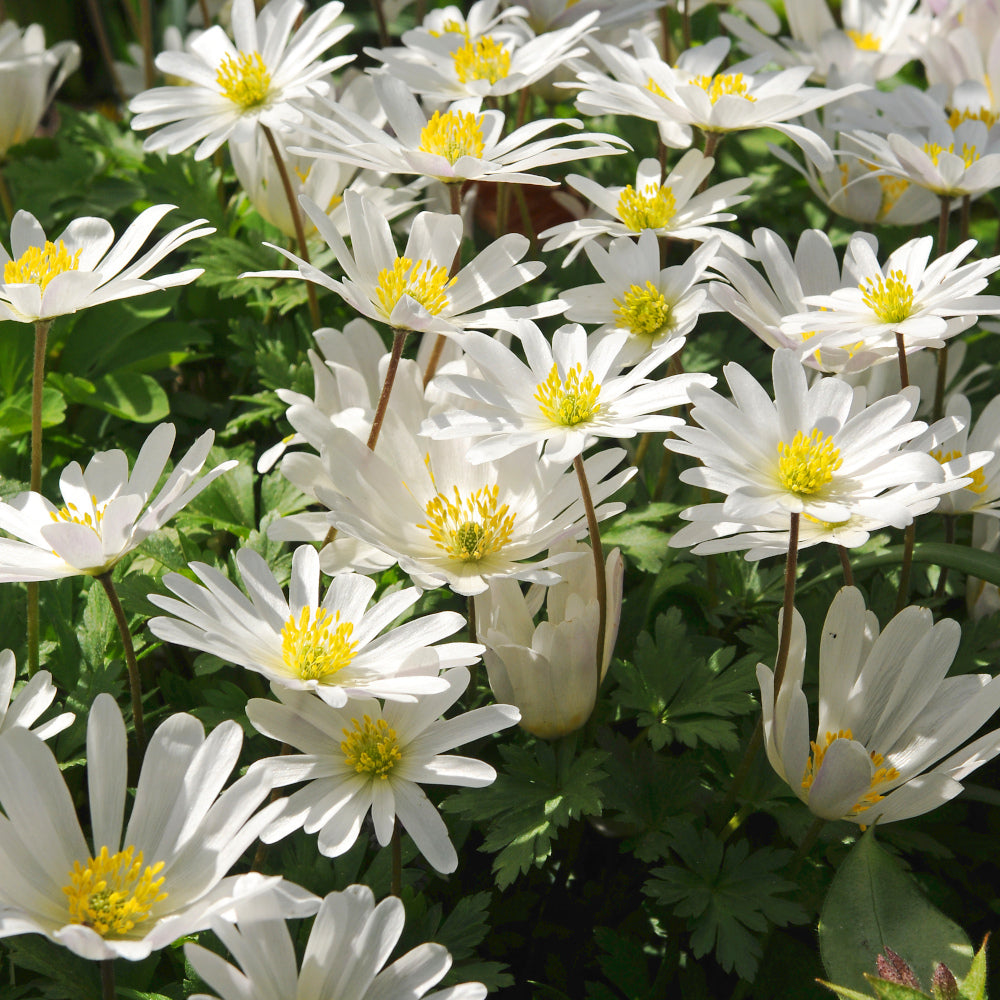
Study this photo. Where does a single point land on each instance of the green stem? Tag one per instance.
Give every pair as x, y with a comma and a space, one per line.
949, 538
397, 862
135, 685
904, 370
97, 22
146, 37
35, 485
300, 233
383, 26
108, 979
455, 192
909, 539
807, 844
944, 216
5, 199
788, 606
600, 577
398, 340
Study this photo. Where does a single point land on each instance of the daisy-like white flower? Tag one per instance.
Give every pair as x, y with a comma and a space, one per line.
44, 279
815, 450
459, 144
349, 943
167, 869
670, 206
482, 18
107, 511
30, 702
982, 494
332, 647
233, 88
367, 757
30, 75
923, 303
693, 94
887, 714
636, 296
446, 521
414, 291
564, 398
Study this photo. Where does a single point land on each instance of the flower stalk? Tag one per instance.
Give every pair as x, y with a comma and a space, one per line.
601, 580
37, 385
135, 684
398, 340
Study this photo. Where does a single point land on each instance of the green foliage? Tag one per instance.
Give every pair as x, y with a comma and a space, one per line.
728, 896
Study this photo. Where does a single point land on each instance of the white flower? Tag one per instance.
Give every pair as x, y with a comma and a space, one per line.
887, 713
815, 450
235, 87
982, 494
564, 398
449, 522
30, 75
81, 268
31, 701
366, 757
414, 291
107, 512
332, 647
350, 941
458, 144
669, 206
548, 671
183, 834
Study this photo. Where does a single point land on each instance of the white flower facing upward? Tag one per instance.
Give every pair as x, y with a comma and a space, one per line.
30, 702
30, 75
815, 450
43, 279
167, 868
107, 511
233, 88
567, 395
366, 757
331, 647
351, 939
887, 714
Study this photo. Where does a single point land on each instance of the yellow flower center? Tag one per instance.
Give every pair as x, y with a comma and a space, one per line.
569, 401
483, 59
644, 312
654, 88
39, 265
452, 27
71, 513
422, 280
866, 41
985, 115
452, 135
469, 528
978, 484
245, 80
807, 464
892, 191
652, 208
891, 299
881, 775
372, 748
723, 84
934, 151
316, 648
113, 893
826, 525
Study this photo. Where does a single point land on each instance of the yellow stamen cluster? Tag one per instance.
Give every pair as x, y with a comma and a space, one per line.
865, 41
315, 648
654, 88
969, 153
71, 513
826, 525
644, 311
891, 299
483, 59
985, 115
422, 280
469, 528
652, 208
113, 893
892, 191
372, 748
880, 776
452, 27
978, 484
569, 401
39, 265
246, 81
452, 135
724, 84
807, 464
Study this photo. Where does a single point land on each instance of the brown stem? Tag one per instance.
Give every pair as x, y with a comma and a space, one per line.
35, 484
398, 340
97, 22
5, 199
788, 606
300, 233
146, 37
909, 538
522, 107
135, 684
904, 371
206, 18
435, 359
455, 192
108, 979
383, 26
597, 550
845, 565
943, 216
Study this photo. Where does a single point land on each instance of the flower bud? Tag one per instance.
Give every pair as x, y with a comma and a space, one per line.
894, 969
943, 985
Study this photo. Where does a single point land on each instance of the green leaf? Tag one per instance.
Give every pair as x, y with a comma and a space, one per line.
844, 992
973, 987
15, 411
76, 977
873, 903
623, 963
681, 696
538, 791
728, 896
885, 990
128, 395
641, 537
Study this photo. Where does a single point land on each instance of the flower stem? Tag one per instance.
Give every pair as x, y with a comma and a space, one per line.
455, 192
5, 198
383, 26
845, 565
909, 538
205, 16
949, 537
135, 684
37, 385
807, 844
599, 572
300, 233
904, 370
788, 606
397, 862
146, 37
398, 340
944, 216
108, 979
97, 22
